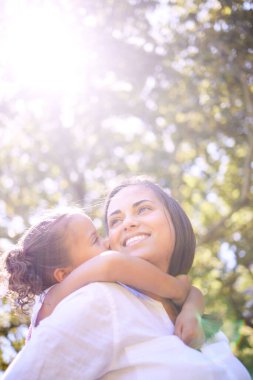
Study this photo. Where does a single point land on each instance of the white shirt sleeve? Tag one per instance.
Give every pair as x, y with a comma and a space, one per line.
75, 342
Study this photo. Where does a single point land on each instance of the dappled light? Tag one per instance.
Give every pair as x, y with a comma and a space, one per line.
93, 92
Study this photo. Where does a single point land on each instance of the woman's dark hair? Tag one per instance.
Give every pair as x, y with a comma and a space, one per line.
185, 242
31, 263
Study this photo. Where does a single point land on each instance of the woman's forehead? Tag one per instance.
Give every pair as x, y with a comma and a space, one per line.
132, 194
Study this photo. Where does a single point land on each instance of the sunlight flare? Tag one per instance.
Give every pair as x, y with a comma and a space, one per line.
43, 47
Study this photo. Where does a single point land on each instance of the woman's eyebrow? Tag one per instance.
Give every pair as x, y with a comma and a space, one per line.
136, 204
114, 212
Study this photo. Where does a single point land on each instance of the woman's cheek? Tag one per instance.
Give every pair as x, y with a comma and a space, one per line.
112, 240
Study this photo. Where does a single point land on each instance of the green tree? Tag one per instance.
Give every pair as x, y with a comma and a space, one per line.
165, 90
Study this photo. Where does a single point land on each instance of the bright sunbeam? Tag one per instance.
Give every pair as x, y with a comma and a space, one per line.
42, 47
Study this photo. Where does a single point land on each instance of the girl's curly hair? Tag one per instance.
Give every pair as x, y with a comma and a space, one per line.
24, 282
31, 263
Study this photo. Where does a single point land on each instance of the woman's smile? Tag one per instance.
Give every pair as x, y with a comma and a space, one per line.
132, 240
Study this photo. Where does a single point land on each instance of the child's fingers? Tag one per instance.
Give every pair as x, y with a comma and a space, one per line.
178, 329
190, 332
193, 338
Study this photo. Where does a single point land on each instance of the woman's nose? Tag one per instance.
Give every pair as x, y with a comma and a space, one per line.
130, 221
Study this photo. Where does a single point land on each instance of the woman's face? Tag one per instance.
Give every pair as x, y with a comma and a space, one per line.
139, 225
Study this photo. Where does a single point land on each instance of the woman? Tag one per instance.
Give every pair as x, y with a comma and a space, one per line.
109, 331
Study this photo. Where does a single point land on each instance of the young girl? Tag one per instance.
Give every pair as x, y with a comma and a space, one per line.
64, 252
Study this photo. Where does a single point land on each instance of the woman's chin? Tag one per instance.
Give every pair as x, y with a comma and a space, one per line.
143, 254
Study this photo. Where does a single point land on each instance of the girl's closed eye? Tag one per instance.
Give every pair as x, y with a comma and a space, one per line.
95, 239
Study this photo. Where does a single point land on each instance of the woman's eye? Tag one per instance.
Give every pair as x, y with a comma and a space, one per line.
114, 222
143, 209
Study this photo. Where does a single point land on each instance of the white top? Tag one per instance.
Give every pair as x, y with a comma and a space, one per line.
36, 308
106, 331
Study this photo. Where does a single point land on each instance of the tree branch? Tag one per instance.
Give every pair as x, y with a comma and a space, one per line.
216, 229
247, 171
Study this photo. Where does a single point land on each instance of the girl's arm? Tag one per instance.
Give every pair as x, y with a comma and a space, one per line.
113, 266
188, 325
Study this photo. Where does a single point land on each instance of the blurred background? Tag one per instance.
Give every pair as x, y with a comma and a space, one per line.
92, 92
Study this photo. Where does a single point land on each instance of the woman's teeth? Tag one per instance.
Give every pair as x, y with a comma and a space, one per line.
135, 239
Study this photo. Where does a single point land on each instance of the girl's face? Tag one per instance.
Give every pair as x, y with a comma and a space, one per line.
139, 225
83, 240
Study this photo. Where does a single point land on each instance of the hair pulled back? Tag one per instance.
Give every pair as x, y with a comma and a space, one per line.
185, 242
31, 263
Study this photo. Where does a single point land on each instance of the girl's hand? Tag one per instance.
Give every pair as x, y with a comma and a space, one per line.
188, 327
184, 286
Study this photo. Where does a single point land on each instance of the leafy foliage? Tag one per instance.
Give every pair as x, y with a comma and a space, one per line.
166, 91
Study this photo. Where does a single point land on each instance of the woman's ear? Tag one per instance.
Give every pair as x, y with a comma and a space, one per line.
60, 273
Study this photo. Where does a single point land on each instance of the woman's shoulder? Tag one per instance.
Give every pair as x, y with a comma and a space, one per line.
102, 295
102, 290
94, 292
100, 303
